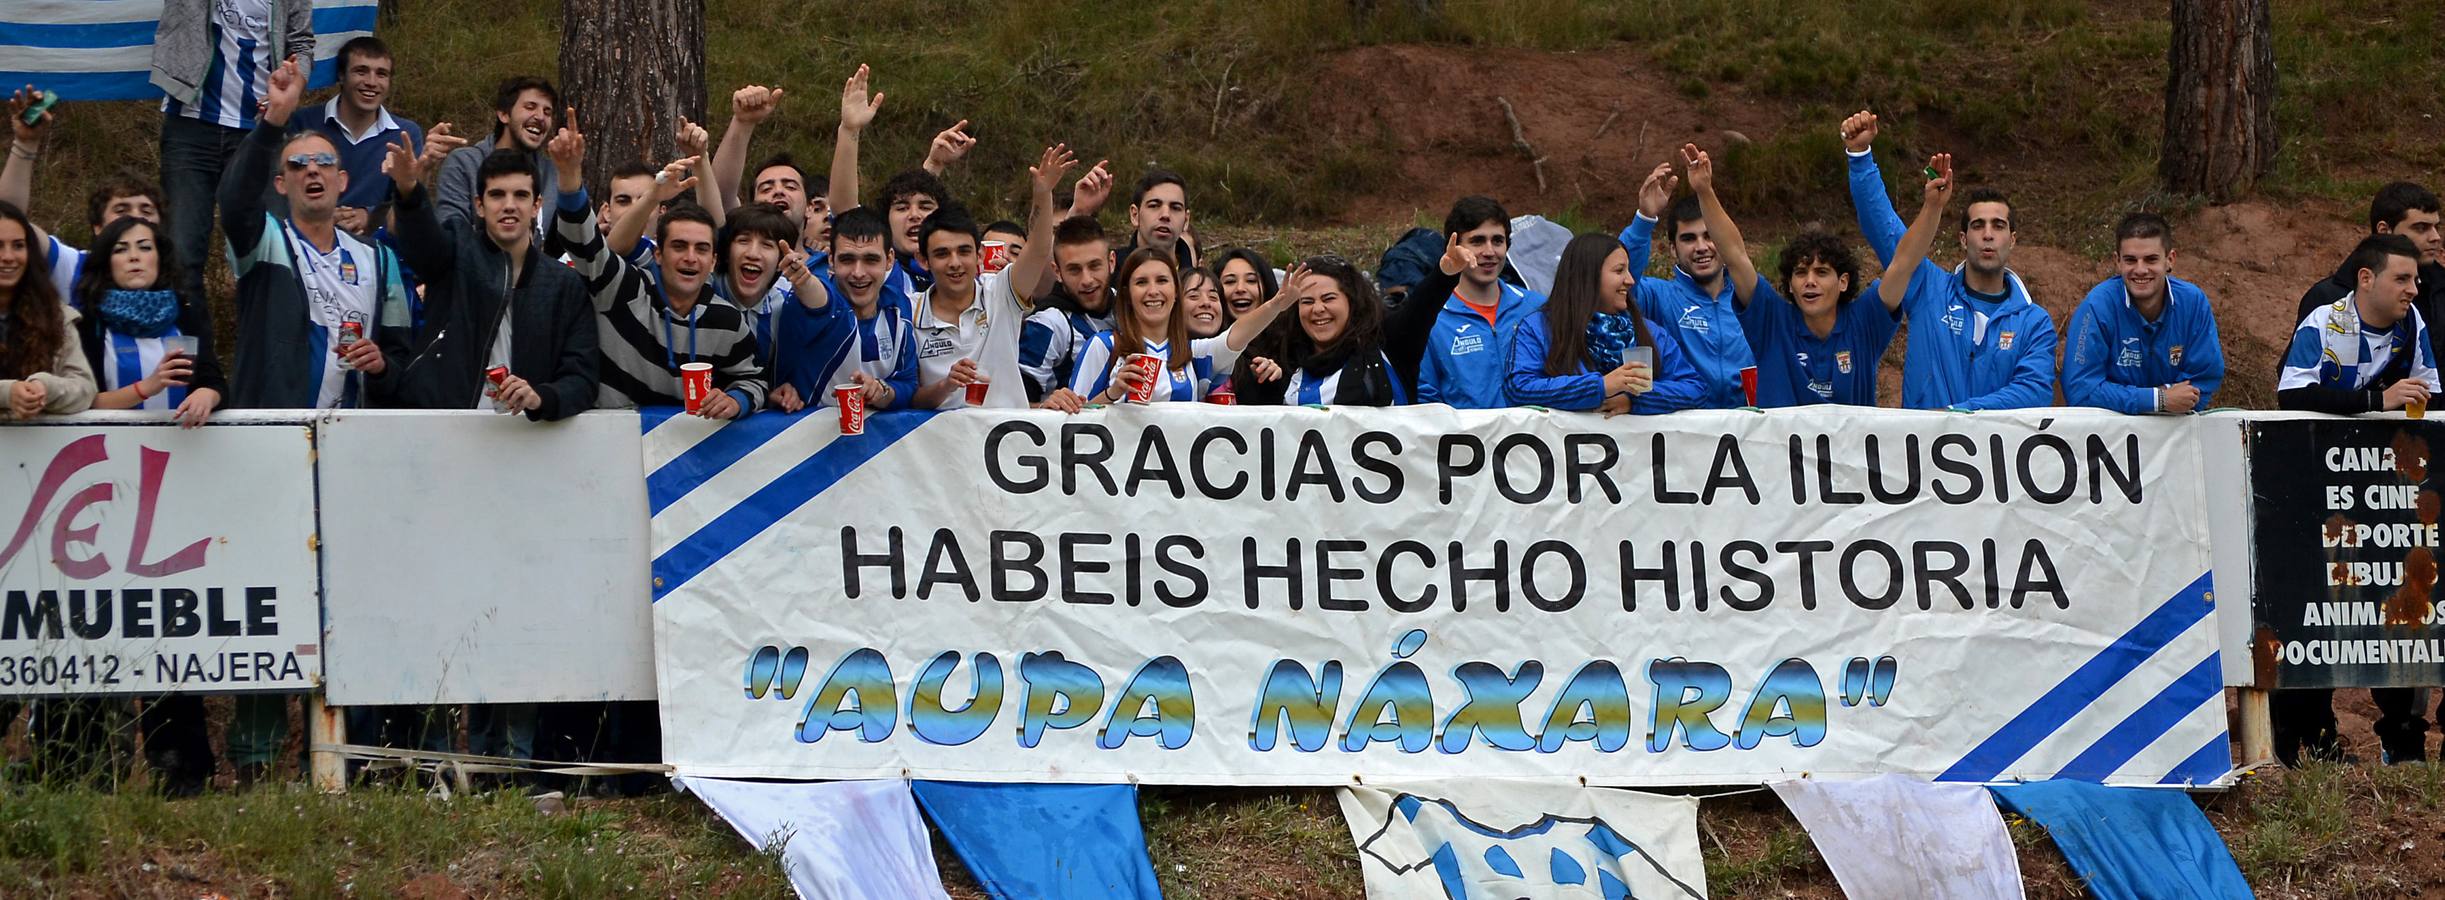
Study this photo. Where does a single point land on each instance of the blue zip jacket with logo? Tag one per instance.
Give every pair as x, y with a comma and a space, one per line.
1463, 363
1708, 328
2117, 358
1964, 352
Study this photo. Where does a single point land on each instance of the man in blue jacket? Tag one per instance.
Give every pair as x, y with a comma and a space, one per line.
1976, 340
2144, 341
1697, 303
1459, 322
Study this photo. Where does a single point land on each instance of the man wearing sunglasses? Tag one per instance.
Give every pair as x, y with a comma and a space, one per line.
322, 316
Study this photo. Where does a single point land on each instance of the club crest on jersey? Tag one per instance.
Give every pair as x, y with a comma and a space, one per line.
348, 271
1842, 361
2174, 355
2004, 341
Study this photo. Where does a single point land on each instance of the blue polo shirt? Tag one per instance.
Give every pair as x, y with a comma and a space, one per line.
1797, 368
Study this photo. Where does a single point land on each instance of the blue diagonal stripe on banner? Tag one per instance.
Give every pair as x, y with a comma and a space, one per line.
2208, 764
2147, 723
652, 417
707, 458
2085, 684
751, 516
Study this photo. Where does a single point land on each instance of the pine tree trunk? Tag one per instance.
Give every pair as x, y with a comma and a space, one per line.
2219, 98
632, 68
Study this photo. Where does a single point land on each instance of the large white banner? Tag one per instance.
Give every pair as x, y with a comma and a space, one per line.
142, 559
1196, 594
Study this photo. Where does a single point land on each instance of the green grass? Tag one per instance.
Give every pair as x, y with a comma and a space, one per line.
371, 843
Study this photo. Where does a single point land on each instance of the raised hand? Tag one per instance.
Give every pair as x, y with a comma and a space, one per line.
949, 147
1655, 192
675, 179
691, 138
1859, 131
1093, 190
282, 90
437, 146
29, 136
1294, 286
1940, 188
1456, 258
400, 163
1701, 168
856, 109
1056, 165
568, 146
753, 104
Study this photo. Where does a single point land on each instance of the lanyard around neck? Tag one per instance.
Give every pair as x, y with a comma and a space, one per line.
668, 341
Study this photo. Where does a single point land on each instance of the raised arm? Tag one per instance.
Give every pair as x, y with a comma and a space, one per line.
1878, 222
1903, 265
17, 175
674, 179
1728, 244
421, 241
1654, 194
1093, 190
856, 112
692, 141
950, 146
250, 171
749, 107
1256, 319
1033, 268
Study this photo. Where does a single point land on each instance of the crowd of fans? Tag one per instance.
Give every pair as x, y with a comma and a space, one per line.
379, 263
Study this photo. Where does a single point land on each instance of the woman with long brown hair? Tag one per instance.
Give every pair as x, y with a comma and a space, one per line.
1582, 351
42, 370
1149, 319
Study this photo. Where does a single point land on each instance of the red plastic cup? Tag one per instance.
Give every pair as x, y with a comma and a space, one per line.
1222, 395
852, 401
995, 255
497, 375
1748, 383
977, 390
695, 384
1150, 366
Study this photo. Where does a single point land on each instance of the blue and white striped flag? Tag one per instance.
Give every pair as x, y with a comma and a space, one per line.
103, 49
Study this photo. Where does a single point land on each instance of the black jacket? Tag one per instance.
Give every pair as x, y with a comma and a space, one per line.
553, 343
193, 320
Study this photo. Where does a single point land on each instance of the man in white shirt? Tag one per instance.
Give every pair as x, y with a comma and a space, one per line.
968, 324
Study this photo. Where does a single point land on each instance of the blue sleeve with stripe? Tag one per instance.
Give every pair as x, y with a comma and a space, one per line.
1877, 221
2087, 367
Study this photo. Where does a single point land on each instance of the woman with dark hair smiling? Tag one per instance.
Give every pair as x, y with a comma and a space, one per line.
1245, 278
1149, 318
41, 368
1202, 302
1331, 352
136, 317
1584, 350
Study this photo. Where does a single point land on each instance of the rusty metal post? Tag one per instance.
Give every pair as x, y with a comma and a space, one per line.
325, 728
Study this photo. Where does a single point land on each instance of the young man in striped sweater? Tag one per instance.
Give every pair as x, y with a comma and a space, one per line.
653, 322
